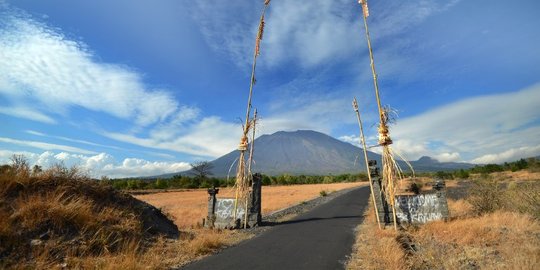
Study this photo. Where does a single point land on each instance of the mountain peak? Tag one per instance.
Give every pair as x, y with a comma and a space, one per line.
427, 160
313, 153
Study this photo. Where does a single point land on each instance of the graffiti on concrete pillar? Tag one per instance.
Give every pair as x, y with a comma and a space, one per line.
225, 209
421, 208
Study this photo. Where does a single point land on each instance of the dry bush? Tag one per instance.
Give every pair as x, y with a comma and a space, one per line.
489, 195
524, 198
486, 196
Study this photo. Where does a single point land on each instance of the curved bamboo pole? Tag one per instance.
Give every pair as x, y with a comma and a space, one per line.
355, 107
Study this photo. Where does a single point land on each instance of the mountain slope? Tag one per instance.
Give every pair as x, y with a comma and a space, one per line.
299, 152
312, 153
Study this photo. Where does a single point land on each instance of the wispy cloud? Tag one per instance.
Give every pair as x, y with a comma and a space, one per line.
39, 65
308, 33
46, 146
209, 137
37, 133
27, 113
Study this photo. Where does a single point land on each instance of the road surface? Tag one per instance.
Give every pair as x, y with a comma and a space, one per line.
319, 239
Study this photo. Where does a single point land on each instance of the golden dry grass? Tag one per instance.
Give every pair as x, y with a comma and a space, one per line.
375, 248
164, 254
188, 207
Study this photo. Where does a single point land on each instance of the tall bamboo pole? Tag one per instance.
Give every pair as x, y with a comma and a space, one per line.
384, 138
363, 140
242, 147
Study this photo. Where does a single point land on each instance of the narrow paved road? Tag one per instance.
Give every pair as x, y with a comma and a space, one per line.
319, 239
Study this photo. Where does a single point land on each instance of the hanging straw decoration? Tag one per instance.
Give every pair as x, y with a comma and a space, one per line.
390, 168
242, 175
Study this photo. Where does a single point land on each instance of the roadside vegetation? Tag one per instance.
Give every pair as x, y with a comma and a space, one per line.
495, 224
58, 218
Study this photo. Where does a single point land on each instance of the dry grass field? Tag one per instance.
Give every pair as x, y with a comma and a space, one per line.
187, 208
506, 238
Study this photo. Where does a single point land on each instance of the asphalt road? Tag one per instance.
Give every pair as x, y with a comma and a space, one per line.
319, 239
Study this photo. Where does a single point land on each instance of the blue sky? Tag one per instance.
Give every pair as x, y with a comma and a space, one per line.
123, 88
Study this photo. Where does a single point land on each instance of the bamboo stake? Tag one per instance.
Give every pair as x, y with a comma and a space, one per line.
241, 174
384, 138
355, 107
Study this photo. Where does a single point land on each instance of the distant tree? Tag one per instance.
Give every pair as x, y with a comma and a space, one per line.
461, 174
36, 169
161, 184
201, 169
20, 166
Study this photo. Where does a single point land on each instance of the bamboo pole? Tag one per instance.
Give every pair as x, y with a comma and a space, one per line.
240, 174
363, 140
384, 138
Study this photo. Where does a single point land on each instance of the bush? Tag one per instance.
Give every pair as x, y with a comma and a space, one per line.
415, 187
461, 174
323, 193
486, 196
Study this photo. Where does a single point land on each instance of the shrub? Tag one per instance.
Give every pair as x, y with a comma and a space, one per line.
323, 193
486, 196
415, 187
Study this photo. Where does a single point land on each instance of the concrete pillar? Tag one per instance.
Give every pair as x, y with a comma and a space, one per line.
211, 218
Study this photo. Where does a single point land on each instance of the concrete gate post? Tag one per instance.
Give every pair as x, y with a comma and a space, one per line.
212, 192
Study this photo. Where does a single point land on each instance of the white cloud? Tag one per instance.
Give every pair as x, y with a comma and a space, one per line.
352, 139
209, 137
448, 157
101, 164
46, 146
309, 33
38, 65
27, 113
474, 129
509, 155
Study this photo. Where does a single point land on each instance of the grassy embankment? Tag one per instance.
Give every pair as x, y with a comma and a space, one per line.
494, 225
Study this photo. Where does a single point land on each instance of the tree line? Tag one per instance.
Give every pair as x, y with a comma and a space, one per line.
187, 181
532, 164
